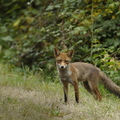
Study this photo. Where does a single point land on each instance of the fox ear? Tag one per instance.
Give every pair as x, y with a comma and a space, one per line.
56, 52
70, 53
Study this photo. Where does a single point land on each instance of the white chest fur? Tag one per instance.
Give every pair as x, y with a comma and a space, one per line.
64, 74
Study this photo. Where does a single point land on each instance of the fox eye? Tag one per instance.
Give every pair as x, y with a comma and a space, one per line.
66, 61
59, 60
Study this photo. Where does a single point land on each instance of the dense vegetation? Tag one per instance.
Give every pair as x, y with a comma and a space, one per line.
30, 29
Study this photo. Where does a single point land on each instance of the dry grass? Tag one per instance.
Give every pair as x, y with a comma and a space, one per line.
35, 100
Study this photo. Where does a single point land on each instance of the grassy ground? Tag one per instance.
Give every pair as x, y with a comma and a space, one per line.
25, 96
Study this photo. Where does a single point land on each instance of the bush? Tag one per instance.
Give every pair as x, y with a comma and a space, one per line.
30, 30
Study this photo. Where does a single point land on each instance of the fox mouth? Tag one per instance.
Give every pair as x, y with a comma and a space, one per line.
62, 66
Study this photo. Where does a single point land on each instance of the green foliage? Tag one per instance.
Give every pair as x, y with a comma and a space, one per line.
29, 30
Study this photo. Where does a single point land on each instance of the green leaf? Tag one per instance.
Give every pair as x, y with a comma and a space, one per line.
116, 43
7, 53
118, 34
50, 7
3, 29
75, 16
7, 38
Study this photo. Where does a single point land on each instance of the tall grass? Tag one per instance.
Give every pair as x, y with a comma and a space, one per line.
26, 96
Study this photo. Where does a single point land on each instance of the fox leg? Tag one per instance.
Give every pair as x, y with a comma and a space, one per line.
76, 91
94, 91
87, 87
65, 90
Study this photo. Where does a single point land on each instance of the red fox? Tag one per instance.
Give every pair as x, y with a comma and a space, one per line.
80, 71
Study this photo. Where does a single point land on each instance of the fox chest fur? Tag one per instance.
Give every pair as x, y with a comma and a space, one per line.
65, 75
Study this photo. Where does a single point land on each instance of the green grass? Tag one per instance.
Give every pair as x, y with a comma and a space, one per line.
26, 96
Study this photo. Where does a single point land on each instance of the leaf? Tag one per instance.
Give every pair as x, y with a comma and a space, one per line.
75, 16
116, 43
3, 29
7, 38
78, 29
80, 41
118, 34
17, 22
8, 53
50, 7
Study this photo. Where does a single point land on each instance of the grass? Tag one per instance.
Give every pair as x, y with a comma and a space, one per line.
26, 96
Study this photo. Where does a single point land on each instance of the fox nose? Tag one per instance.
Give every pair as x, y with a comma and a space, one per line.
62, 67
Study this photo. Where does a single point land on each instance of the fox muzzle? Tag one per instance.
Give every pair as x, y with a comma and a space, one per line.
62, 66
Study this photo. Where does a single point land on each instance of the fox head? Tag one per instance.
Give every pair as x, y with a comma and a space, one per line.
63, 59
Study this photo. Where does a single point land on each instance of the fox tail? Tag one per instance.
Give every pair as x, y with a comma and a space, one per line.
109, 84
